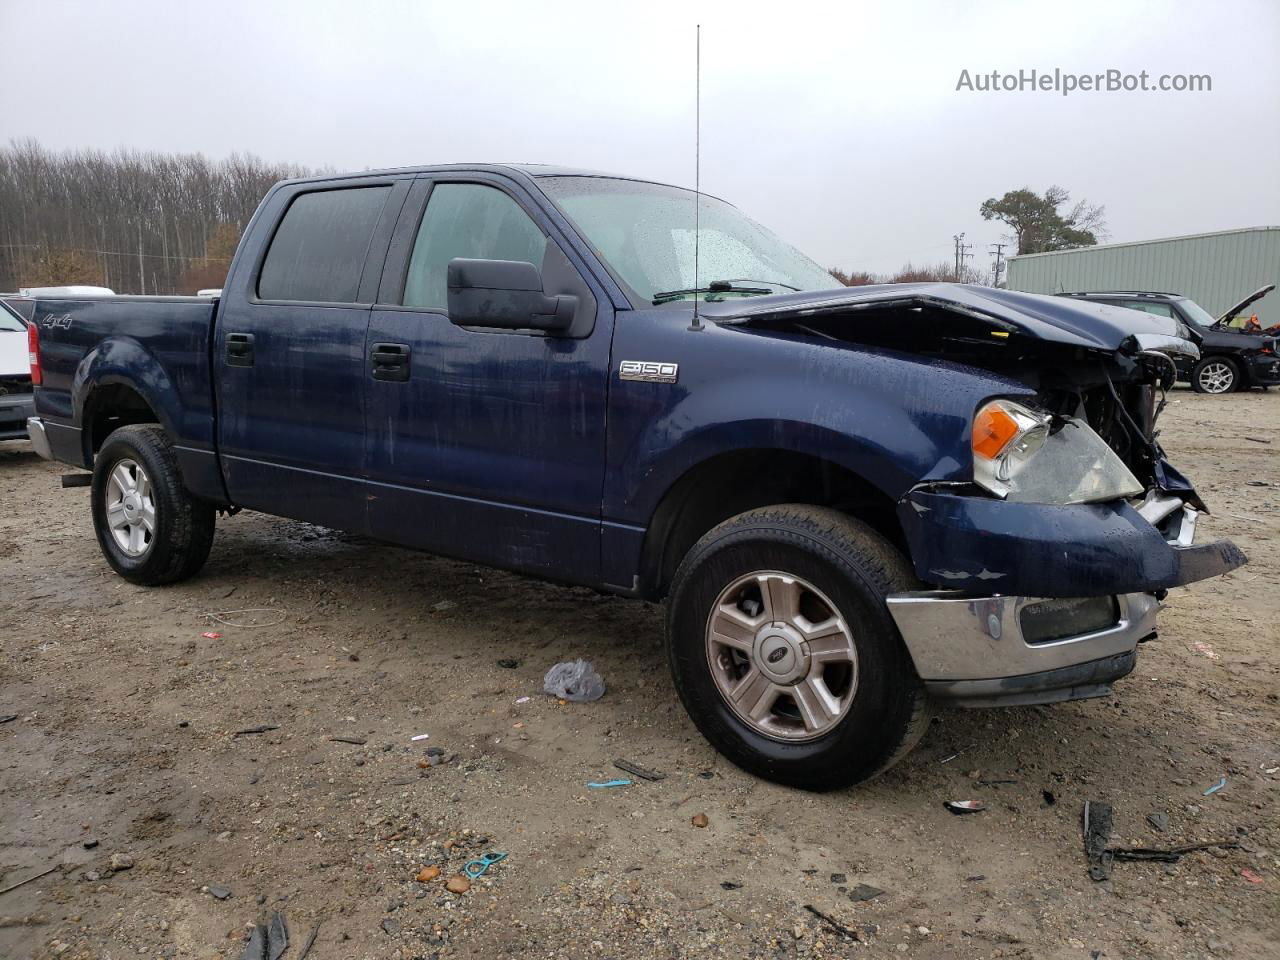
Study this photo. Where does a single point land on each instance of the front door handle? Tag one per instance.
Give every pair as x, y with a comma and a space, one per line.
390, 361
240, 349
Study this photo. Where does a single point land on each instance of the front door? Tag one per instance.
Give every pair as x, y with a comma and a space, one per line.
289, 352
484, 444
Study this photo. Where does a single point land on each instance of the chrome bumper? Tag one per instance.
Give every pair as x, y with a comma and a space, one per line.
972, 649
39, 439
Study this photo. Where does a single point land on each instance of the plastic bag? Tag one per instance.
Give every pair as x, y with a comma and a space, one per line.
574, 680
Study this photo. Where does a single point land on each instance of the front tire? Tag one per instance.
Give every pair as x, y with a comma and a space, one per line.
1215, 375
783, 650
150, 529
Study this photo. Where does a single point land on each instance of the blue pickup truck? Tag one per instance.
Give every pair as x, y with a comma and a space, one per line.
855, 502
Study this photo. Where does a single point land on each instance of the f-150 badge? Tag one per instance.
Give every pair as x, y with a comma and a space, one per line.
649, 371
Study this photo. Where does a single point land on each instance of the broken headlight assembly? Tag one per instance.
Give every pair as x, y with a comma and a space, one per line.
1028, 456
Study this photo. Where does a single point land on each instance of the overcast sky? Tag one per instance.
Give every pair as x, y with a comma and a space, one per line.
837, 125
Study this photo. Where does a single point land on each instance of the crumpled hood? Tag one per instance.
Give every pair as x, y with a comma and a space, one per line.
1079, 323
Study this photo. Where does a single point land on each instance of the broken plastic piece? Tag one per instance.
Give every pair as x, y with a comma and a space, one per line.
642, 772
421, 736
611, 783
574, 680
1216, 787
277, 937
1097, 835
211, 635
959, 807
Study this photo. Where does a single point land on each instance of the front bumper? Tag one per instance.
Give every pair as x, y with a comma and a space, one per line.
984, 546
1264, 370
974, 651
14, 411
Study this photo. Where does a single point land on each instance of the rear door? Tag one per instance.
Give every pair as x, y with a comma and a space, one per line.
486, 444
289, 349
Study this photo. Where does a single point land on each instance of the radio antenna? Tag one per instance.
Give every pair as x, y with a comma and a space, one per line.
697, 166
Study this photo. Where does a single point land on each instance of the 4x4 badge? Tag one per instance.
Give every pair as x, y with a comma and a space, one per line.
649, 371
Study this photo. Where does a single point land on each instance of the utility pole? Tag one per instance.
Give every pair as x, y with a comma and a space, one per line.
998, 253
962, 253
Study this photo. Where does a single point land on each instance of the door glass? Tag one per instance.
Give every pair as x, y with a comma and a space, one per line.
472, 221
319, 250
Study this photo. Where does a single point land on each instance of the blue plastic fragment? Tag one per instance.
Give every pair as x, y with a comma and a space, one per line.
1216, 787
477, 867
611, 783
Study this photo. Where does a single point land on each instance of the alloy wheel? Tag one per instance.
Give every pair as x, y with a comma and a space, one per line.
131, 508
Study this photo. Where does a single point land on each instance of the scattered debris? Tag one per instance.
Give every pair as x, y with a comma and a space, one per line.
458, 884
839, 878
1258, 439
442, 606
1216, 787
574, 680
1158, 821
949, 759
311, 940
420, 736
975, 878
730, 885
1170, 855
610, 783
277, 936
90, 843
523, 699
8, 718
260, 728
15, 886
256, 947
1097, 820
218, 891
1206, 650
959, 807
1250, 875
834, 924
642, 772
700, 820
1049, 798
427, 874
479, 866
221, 616
864, 891
355, 741
121, 861
508, 663
1258, 483
211, 635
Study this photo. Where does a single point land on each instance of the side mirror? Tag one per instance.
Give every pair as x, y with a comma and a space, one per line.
505, 294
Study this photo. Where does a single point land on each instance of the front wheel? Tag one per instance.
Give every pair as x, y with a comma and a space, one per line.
150, 529
783, 650
1215, 375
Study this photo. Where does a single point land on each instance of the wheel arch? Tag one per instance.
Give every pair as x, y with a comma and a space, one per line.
726, 484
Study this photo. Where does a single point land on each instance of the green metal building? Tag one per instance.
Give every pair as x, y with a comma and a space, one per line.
1216, 270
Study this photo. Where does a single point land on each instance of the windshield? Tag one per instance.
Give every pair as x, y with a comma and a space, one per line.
10, 320
1196, 313
644, 233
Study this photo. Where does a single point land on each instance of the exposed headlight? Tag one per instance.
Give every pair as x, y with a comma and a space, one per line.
1020, 454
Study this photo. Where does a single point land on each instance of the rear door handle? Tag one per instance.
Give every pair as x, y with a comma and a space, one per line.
390, 361
240, 349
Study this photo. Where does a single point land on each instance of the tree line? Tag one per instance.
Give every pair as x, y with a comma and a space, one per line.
137, 222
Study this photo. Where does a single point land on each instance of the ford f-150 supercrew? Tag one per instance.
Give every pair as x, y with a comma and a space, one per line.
855, 502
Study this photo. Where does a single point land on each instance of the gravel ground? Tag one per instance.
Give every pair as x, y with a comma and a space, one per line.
123, 768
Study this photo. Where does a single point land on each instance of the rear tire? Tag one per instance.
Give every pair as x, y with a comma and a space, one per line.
150, 529
784, 652
1215, 375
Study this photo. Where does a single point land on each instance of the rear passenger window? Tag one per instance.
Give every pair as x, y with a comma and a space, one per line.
472, 221
319, 250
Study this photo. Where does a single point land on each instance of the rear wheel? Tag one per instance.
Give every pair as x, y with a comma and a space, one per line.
1215, 375
784, 653
150, 529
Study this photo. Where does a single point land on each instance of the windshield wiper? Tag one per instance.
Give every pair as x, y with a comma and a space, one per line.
775, 283
715, 286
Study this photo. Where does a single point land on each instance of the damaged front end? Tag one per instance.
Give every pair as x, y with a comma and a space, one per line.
1049, 555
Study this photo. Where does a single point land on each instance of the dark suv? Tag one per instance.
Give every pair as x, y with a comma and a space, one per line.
1229, 359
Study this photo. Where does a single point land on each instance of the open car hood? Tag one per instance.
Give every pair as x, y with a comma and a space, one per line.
1251, 298
1078, 323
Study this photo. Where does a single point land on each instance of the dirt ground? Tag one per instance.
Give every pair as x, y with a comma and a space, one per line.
125, 734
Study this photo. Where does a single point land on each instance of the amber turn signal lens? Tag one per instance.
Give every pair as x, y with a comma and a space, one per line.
993, 428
